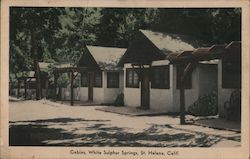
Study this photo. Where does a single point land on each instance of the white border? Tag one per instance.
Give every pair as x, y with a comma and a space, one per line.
64, 152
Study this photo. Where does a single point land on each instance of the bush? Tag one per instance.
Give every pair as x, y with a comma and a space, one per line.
119, 101
233, 106
205, 106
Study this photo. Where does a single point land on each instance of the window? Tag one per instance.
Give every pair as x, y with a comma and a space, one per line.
187, 82
98, 79
113, 80
84, 79
132, 78
160, 77
231, 73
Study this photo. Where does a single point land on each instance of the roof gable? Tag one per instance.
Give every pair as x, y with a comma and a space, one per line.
106, 58
169, 43
141, 50
150, 45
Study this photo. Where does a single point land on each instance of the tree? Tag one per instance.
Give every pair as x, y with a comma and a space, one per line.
213, 26
79, 27
30, 27
119, 26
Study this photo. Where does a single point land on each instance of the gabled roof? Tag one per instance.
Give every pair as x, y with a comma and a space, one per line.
169, 43
106, 57
148, 46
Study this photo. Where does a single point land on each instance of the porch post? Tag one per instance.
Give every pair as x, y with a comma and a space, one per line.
72, 88
18, 88
25, 88
55, 85
182, 96
46, 87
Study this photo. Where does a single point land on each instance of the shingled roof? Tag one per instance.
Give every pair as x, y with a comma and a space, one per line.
169, 43
105, 57
148, 46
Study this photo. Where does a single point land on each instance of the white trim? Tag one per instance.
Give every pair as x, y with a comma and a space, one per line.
160, 62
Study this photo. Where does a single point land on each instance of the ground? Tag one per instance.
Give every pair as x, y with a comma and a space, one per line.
43, 122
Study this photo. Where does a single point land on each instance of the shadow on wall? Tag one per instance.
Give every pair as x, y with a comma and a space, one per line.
101, 133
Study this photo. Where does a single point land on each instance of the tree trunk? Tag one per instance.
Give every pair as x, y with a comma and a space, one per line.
35, 63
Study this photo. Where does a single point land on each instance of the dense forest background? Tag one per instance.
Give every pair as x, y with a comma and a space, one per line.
59, 34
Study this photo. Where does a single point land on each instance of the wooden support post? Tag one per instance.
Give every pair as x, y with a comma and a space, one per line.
18, 88
184, 73
46, 87
72, 88
182, 104
55, 85
182, 96
25, 88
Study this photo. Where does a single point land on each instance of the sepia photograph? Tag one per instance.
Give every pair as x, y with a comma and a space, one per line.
134, 77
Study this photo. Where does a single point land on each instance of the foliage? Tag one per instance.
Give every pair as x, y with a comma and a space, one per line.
77, 81
213, 26
119, 101
233, 106
119, 25
79, 27
63, 80
205, 106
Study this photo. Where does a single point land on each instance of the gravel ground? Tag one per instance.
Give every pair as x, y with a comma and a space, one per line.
43, 123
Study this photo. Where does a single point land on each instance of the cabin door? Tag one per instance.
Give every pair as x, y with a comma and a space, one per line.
90, 85
145, 90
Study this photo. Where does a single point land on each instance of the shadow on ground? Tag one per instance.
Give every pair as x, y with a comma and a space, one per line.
101, 133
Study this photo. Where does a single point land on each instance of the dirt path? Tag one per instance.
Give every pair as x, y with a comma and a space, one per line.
42, 123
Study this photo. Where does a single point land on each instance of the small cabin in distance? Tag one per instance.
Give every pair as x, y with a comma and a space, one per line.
103, 79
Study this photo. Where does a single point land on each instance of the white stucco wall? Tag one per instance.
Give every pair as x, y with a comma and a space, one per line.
83, 93
65, 94
98, 95
204, 80
103, 94
191, 95
162, 99
166, 100
110, 94
132, 96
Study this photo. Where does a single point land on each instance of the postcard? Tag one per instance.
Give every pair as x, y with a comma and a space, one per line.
124, 79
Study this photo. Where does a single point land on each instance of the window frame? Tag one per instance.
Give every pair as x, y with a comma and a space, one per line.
133, 84
116, 76
164, 83
95, 84
87, 77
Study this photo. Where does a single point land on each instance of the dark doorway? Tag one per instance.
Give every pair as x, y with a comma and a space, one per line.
145, 94
91, 85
